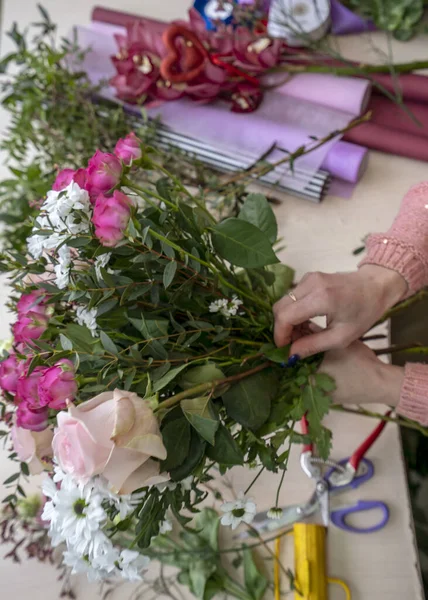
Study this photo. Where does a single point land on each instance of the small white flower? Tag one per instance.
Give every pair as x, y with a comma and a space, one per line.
165, 526
168, 485
100, 263
87, 317
225, 307
81, 564
275, 513
62, 268
240, 511
131, 564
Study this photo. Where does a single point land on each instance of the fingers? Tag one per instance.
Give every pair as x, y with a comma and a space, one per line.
324, 340
294, 314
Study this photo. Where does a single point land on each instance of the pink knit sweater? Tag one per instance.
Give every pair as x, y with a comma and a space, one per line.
404, 248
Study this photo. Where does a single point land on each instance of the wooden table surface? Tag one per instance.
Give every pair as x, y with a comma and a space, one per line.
379, 566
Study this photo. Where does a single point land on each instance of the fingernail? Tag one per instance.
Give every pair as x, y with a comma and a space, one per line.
293, 360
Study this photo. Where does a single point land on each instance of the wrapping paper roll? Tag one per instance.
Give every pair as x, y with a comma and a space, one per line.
347, 94
346, 161
345, 21
412, 86
390, 115
391, 141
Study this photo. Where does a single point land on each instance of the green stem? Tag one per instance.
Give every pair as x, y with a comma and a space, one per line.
210, 386
374, 415
351, 70
254, 481
233, 588
147, 192
168, 242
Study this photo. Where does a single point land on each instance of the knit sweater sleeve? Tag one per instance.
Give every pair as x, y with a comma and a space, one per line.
404, 248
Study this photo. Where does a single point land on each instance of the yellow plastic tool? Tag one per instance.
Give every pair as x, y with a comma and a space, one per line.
310, 564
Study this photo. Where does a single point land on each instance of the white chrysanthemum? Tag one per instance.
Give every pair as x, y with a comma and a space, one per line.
124, 503
87, 317
62, 268
225, 307
240, 511
100, 263
81, 564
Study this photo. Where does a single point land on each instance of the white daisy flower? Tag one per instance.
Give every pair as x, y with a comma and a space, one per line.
81, 564
131, 563
100, 263
225, 307
240, 511
165, 526
275, 513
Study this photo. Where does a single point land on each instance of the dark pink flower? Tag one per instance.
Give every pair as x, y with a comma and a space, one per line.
103, 173
27, 389
11, 369
128, 148
132, 86
62, 180
34, 302
111, 218
28, 418
57, 385
29, 326
256, 52
80, 177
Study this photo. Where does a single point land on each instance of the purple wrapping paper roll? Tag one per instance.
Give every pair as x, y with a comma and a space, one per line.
347, 94
346, 161
345, 21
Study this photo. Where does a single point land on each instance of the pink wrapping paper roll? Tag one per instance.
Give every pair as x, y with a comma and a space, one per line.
391, 141
347, 94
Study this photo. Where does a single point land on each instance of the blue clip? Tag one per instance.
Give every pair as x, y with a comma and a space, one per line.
209, 11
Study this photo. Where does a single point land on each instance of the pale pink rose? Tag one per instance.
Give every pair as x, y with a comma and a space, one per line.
128, 148
33, 447
111, 218
115, 434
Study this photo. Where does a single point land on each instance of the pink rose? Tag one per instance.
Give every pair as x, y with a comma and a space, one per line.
34, 302
62, 180
29, 326
114, 434
103, 173
128, 148
57, 385
111, 218
27, 388
35, 420
66, 176
11, 369
33, 447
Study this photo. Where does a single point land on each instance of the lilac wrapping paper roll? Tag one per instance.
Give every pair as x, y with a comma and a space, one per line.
347, 94
345, 21
346, 161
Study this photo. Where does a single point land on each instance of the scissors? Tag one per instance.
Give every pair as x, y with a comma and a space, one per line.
347, 474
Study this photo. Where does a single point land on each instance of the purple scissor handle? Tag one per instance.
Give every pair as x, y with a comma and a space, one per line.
364, 473
338, 517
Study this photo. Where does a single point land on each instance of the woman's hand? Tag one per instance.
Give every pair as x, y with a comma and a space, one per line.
361, 378
352, 303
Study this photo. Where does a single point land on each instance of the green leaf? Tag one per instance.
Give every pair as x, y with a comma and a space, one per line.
108, 344
200, 374
207, 522
277, 355
199, 572
201, 415
24, 469
11, 479
242, 244
176, 437
66, 344
317, 405
325, 382
80, 337
194, 457
255, 582
249, 401
168, 377
284, 277
225, 450
324, 443
257, 211
169, 273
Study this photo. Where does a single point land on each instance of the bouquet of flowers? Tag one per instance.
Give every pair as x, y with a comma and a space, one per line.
142, 358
